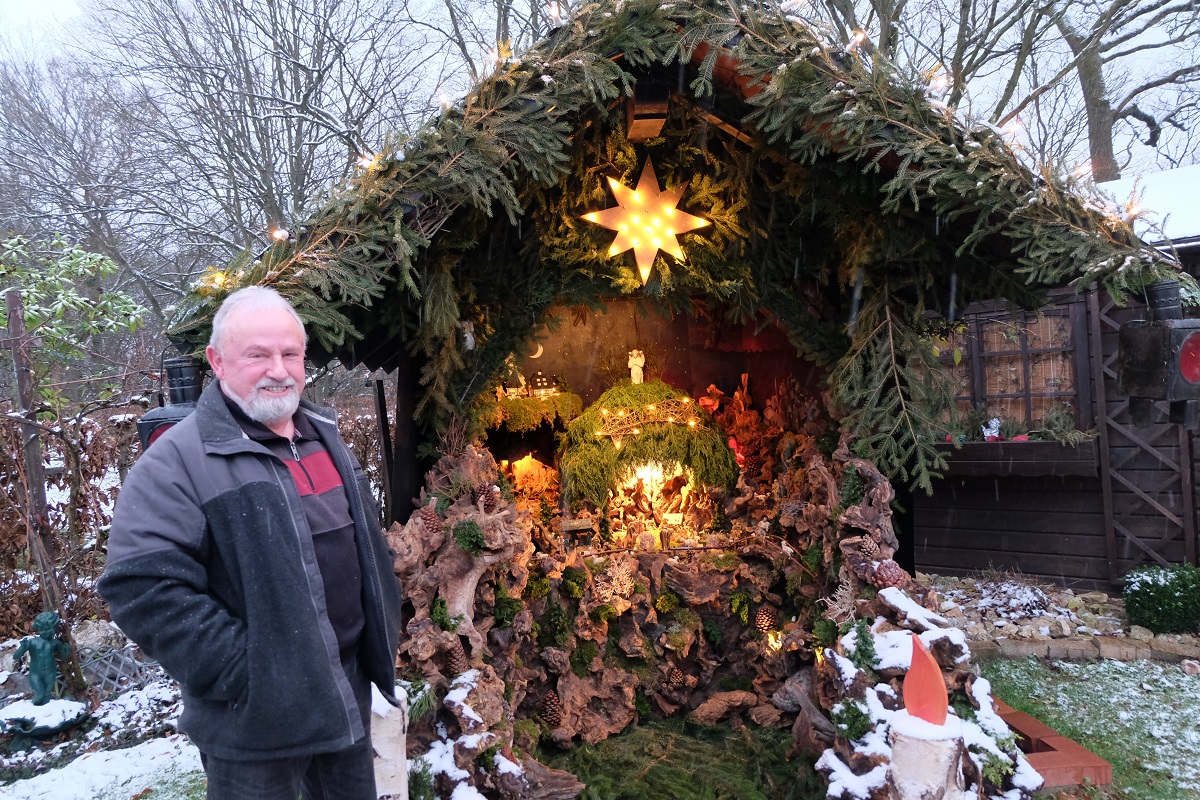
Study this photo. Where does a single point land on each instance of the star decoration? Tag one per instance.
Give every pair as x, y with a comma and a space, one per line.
646, 220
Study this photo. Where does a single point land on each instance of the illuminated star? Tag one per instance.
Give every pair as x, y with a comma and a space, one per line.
646, 220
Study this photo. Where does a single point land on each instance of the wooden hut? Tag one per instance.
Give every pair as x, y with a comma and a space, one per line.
849, 211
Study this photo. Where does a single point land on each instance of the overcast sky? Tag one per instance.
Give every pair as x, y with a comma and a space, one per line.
26, 23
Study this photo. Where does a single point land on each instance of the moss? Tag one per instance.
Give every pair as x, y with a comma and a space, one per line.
641, 704
853, 489
582, 656
677, 638
469, 536
602, 613
687, 618
813, 557
440, 615
573, 582
723, 561
592, 464
526, 414
666, 602
507, 607
736, 683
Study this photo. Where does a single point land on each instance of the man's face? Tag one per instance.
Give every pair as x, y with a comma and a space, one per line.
260, 362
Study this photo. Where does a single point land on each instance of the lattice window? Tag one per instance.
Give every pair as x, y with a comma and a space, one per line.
1019, 366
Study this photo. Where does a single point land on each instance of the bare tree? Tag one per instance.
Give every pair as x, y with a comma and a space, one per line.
1129, 68
250, 107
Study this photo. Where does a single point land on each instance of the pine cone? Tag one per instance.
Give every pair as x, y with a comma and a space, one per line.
675, 677
430, 517
888, 573
551, 709
753, 465
765, 618
491, 498
458, 658
869, 546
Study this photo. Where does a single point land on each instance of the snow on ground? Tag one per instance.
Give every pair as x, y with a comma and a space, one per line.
115, 774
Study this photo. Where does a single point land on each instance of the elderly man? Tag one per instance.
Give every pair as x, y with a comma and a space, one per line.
246, 556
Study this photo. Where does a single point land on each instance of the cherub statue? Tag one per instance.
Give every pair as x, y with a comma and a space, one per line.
637, 361
44, 651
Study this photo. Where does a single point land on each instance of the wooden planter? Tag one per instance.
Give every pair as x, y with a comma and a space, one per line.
976, 459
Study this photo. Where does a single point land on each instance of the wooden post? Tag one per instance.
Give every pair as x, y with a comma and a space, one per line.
35, 489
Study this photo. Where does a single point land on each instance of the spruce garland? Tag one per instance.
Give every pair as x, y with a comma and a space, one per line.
841, 197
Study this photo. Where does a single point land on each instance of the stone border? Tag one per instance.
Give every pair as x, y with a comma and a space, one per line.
1086, 649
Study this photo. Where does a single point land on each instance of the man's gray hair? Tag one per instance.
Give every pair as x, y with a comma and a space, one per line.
250, 298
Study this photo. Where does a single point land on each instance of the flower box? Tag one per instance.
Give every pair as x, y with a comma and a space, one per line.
976, 459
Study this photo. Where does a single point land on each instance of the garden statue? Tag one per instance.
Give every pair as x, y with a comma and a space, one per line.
44, 651
637, 361
991, 431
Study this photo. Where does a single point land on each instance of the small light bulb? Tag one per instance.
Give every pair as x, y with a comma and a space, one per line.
366, 161
280, 234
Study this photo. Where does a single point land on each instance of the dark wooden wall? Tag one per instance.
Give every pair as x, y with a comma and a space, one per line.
1129, 501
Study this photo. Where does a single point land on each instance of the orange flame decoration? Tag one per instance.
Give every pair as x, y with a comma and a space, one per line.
924, 689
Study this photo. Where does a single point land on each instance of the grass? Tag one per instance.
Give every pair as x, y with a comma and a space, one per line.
676, 760
1141, 716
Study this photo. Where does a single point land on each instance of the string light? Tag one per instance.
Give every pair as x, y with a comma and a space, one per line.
280, 234
366, 161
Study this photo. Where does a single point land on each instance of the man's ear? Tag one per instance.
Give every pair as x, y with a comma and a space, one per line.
215, 361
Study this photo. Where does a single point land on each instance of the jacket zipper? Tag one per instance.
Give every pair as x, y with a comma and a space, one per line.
287, 485
296, 455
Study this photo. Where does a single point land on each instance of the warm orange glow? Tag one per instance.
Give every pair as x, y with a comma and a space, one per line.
924, 689
650, 202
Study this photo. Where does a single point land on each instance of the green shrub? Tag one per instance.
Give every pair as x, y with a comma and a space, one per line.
573, 582
555, 627
666, 602
603, 613
864, 656
853, 488
469, 536
825, 632
582, 656
538, 585
1165, 600
420, 781
713, 631
851, 719
739, 603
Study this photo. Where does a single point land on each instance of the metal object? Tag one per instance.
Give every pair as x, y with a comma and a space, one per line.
1159, 359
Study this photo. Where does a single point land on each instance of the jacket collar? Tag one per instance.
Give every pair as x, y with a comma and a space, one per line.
217, 425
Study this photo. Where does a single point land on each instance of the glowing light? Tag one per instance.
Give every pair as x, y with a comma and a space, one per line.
1084, 169
650, 202
366, 161
554, 14
691, 423
280, 234
775, 640
445, 101
651, 406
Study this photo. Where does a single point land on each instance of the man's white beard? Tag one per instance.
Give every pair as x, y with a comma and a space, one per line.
262, 406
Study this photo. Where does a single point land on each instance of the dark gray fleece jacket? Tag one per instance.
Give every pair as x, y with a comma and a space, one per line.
211, 570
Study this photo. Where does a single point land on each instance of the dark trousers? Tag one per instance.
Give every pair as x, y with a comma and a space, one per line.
345, 775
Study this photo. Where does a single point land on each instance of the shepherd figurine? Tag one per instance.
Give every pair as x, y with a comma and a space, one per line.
44, 651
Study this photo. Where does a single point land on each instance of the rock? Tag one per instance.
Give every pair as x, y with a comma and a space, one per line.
768, 716
597, 706
721, 705
1190, 666
98, 635
550, 784
1140, 634
1093, 597
482, 706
